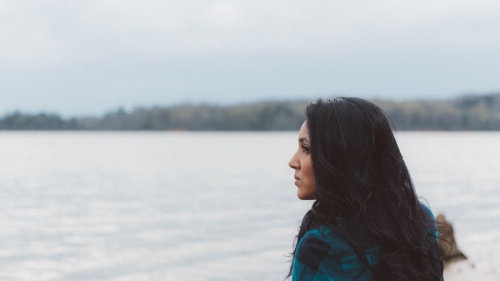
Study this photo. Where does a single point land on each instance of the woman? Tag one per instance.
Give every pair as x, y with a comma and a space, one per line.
366, 222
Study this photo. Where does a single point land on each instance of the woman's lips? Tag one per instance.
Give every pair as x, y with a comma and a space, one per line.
297, 179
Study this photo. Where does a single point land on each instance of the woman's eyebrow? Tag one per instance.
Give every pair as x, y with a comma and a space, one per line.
303, 139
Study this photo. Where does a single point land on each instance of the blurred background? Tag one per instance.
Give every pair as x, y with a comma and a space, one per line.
89, 57
149, 140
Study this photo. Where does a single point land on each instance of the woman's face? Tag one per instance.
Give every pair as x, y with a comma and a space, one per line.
301, 162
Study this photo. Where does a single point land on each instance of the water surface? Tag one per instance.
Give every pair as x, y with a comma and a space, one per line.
201, 206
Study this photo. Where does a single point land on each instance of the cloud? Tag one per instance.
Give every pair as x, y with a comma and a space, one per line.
153, 51
53, 30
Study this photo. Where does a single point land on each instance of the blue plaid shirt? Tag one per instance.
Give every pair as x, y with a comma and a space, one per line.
323, 255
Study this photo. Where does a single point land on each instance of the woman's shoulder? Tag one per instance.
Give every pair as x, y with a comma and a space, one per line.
317, 243
325, 252
316, 257
327, 237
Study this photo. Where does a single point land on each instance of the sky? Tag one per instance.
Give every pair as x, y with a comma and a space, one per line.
89, 57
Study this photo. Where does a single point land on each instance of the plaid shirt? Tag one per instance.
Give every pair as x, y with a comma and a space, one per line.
323, 255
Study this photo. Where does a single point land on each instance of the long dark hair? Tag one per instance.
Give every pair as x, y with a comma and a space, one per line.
361, 177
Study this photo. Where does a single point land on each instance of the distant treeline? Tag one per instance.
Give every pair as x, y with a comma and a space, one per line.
465, 113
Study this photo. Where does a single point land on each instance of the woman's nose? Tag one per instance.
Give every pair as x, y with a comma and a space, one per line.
293, 163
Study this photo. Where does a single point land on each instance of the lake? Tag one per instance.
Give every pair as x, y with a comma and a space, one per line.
205, 205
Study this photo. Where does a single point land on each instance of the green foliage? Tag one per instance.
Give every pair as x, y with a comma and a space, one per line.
42, 121
465, 113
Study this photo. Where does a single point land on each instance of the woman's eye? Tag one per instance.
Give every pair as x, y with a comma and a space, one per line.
306, 149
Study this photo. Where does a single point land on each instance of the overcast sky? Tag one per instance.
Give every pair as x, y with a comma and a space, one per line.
89, 57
